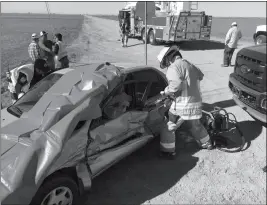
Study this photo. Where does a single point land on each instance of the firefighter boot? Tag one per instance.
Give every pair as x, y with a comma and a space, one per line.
167, 143
201, 135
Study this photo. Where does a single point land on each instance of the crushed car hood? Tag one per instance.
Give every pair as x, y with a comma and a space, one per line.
44, 130
6, 117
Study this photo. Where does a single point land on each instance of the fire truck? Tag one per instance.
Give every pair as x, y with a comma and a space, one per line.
166, 21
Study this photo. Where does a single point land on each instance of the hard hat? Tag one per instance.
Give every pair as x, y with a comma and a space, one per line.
166, 51
34, 35
234, 24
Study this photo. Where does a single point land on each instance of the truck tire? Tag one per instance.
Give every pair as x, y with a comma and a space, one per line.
151, 37
143, 36
260, 39
63, 186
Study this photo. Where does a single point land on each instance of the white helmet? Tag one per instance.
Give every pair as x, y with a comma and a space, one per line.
165, 52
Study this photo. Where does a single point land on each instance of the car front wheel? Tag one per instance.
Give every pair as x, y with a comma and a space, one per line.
61, 190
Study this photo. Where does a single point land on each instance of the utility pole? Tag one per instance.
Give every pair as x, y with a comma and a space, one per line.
146, 32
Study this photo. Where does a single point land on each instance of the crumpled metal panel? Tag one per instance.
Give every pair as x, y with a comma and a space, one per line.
54, 117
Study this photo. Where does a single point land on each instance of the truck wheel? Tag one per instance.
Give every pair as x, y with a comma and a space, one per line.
152, 39
58, 190
260, 39
143, 36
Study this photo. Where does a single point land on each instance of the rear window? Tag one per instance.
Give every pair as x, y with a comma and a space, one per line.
27, 101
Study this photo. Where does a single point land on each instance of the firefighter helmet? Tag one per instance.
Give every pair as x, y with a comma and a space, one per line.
167, 52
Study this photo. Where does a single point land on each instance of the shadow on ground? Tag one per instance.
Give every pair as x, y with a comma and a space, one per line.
196, 45
140, 177
143, 175
249, 129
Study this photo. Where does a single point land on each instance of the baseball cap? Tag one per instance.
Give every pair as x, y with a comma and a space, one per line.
42, 33
234, 24
34, 35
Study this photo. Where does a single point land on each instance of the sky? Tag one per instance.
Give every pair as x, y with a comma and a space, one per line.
216, 9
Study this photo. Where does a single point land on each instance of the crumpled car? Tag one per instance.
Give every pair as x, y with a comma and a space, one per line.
67, 129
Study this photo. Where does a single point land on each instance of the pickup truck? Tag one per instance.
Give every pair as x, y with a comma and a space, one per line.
248, 81
259, 36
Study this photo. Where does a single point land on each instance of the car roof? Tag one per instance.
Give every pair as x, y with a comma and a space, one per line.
124, 68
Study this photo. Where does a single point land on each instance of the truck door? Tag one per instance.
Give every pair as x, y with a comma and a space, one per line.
206, 27
193, 27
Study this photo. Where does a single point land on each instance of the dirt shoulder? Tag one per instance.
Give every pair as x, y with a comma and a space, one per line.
200, 177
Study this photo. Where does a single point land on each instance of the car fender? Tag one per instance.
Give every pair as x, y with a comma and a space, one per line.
84, 175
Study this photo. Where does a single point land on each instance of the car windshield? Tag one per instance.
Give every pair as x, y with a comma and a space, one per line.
27, 101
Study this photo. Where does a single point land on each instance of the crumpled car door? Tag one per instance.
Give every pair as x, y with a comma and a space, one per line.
156, 110
116, 139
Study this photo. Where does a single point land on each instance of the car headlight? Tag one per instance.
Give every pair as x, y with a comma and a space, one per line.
264, 103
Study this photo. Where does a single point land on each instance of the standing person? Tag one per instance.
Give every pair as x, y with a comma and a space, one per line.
61, 55
232, 37
46, 48
184, 88
34, 48
125, 29
41, 70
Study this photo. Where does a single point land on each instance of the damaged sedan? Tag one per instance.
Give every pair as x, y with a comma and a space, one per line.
72, 126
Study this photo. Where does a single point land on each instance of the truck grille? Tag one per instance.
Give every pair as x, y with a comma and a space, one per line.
254, 77
246, 98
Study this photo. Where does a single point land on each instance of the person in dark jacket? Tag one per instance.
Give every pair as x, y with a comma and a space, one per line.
46, 48
125, 30
41, 70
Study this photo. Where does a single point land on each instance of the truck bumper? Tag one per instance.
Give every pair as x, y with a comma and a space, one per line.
255, 113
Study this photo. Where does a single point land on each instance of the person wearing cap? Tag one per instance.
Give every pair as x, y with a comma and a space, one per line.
34, 48
186, 105
46, 48
61, 55
232, 37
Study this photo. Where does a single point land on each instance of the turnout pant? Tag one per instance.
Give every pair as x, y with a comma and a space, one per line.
124, 38
167, 134
228, 54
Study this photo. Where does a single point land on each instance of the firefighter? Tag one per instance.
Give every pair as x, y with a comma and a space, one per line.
185, 107
125, 29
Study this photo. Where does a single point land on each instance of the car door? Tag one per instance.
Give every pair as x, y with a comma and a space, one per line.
113, 139
152, 100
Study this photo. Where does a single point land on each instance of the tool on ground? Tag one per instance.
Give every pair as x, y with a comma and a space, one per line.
217, 122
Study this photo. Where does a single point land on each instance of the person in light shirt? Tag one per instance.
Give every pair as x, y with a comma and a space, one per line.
232, 37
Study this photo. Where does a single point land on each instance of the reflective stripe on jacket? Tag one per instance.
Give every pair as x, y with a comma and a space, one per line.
184, 82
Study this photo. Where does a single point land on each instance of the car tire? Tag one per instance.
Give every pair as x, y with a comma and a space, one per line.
58, 185
260, 39
151, 36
